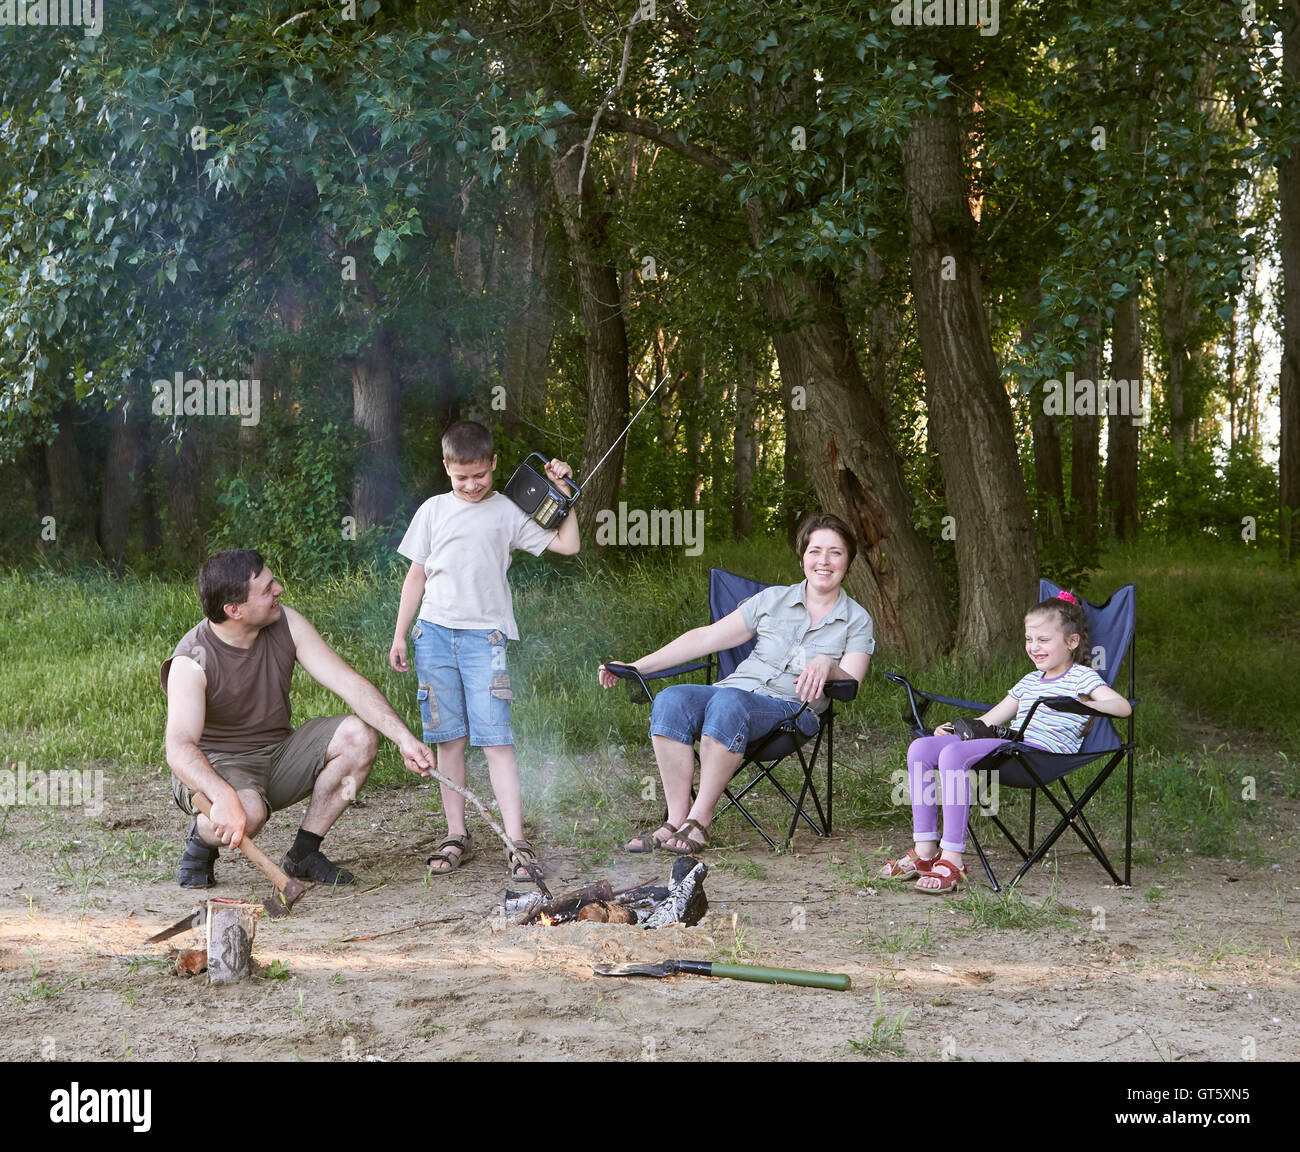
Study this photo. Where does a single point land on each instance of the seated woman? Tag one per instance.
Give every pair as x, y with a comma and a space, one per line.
808, 633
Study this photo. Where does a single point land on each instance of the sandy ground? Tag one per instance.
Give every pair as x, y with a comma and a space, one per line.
1197, 962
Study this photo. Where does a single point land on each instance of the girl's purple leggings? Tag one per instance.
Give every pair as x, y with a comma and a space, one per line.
937, 777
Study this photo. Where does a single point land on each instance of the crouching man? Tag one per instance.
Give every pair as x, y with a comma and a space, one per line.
228, 729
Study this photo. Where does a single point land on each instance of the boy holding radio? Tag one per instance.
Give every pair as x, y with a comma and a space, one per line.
459, 545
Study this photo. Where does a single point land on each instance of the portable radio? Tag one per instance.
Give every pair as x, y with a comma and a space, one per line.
533, 491
539, 498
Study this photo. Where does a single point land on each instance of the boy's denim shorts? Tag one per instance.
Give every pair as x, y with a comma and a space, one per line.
732, 716
464, 684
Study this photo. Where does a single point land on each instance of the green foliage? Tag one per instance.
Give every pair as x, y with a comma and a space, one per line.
293, 508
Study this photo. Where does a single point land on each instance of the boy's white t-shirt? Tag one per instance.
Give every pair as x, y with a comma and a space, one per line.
465, 549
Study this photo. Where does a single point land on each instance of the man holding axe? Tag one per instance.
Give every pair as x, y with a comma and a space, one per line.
229, 737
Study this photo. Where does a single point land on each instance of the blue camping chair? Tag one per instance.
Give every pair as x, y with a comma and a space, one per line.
1111, 628
766, 753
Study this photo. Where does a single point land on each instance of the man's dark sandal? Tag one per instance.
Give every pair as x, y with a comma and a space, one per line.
198, 865
317, 868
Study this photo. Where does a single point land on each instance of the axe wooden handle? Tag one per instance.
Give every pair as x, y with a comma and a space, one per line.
273, 873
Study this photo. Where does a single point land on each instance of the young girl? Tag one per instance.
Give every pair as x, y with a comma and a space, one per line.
1056, 640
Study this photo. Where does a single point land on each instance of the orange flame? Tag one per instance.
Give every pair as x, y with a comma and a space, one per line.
545, 921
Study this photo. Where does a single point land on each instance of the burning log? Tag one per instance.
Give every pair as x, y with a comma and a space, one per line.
681, 901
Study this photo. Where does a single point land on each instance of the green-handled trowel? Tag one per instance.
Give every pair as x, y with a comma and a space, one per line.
836, 981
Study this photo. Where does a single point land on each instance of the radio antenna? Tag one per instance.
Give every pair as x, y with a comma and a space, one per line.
626, 430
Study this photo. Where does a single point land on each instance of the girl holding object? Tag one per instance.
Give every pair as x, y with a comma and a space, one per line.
1056, 641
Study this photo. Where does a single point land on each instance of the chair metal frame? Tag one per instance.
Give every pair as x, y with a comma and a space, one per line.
1039, 769
774, 747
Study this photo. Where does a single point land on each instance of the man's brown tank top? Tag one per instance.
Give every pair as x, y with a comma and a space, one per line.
247, 688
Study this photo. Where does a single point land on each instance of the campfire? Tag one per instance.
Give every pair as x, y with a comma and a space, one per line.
680, 901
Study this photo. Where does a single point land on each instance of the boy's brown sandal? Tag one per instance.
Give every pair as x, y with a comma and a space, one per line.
452, 860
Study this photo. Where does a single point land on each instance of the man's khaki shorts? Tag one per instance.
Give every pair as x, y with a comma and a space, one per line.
282, 774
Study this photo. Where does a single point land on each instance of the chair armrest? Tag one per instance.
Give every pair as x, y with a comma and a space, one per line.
680, 670
1070, 704
1077, 706
951, 701
842, 690
919, 701
627, 672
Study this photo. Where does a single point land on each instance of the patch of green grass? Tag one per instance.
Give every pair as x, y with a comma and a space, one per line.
1009, 909
886, 1037
37, 989
864, 872
738, 949
902, 938
279, 971
1195, 801
745, 866
1207, 953
1215, 622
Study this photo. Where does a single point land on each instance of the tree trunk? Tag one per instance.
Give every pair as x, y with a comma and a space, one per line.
67, 487
471, 262
604, 334
969, 414
376, 409
1049, 479
37, 474
1175, 317
1288, 179
1121, 431
376, 397
182, 469
151, 536
842, 436
882, 331
1085, 451
744, 446
118, 491
529, 329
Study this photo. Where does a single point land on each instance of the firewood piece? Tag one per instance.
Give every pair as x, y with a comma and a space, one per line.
189, 961
596, 911
231, 928
620, 915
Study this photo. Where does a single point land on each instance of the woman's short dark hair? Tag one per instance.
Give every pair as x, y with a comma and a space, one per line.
817, 520
224, 579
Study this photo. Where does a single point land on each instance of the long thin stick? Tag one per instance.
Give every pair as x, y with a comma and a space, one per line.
533, 870
395, 931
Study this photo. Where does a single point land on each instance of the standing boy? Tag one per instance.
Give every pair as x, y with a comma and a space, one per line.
459, 545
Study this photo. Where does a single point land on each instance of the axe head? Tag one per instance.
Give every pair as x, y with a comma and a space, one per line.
279, 903
194, 920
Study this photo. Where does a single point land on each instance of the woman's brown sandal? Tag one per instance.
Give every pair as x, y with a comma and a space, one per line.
647, 842
684, 833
